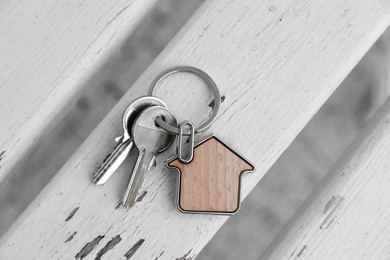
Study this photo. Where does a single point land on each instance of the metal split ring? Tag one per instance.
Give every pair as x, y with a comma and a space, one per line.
210, 83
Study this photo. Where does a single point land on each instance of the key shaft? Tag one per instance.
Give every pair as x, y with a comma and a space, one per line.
149, 140
144, 163
113, 161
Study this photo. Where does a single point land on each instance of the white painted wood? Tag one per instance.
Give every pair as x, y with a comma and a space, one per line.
348, 218
48, 50
275, 63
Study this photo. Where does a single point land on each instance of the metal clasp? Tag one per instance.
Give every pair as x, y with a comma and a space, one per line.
189, 155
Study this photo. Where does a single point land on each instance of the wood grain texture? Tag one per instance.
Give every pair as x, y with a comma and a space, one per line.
211, 181
348, 216
48, 50
275, 63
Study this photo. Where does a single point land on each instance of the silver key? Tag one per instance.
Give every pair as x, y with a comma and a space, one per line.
124, 142
149, 140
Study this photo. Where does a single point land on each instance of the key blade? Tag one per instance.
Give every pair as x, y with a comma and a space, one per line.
149, 140
113, 162
119, 139
144, 163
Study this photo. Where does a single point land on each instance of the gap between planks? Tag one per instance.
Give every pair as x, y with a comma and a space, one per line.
347, 217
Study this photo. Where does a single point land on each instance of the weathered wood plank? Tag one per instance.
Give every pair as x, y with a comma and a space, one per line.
348, 218
275, 64
48, 50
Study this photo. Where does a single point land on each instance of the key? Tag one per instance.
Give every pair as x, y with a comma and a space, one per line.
124, 142
150, 140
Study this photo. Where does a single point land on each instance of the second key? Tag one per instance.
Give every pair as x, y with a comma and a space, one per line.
150, 140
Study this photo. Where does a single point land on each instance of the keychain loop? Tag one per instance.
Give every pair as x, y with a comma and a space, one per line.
210, 83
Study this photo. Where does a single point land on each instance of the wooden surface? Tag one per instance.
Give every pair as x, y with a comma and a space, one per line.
211, 181
275, 64
48, 50
349, 216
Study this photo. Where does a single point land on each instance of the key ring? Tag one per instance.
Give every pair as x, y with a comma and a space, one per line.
206, 78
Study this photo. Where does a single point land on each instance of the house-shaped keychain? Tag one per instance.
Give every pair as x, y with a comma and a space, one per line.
211, 182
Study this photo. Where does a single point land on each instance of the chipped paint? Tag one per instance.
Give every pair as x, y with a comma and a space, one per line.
159, 255
72, 214
110, 245
330, 223
301, 252
184, 257
89, 247
134, 249
293, 253
1, 155
330, 208
272, 8
70, 237
141, 197
329, 203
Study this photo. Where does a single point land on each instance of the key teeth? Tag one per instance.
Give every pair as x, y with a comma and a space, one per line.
112, 161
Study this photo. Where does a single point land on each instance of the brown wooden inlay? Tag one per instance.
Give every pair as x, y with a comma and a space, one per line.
211, 182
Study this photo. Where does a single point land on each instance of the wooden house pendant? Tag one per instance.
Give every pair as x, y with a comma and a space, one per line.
210, 183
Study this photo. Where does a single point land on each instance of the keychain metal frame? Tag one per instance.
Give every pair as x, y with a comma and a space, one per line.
178, 180
210, 83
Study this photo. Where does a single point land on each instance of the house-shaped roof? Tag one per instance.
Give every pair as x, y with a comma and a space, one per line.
211, 181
